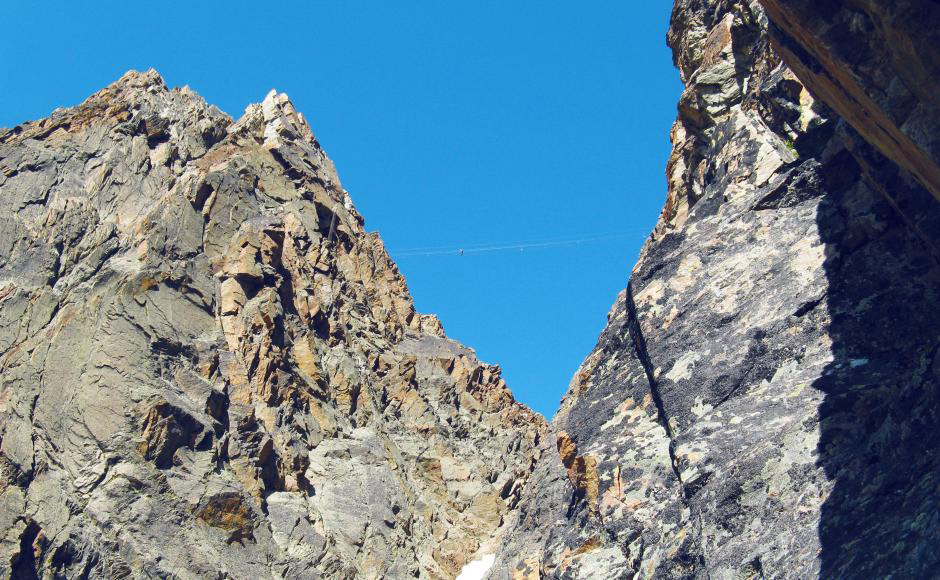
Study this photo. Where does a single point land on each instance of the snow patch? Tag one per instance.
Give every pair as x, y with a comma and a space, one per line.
477, 569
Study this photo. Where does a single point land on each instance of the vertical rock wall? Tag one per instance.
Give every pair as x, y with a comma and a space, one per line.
764, 400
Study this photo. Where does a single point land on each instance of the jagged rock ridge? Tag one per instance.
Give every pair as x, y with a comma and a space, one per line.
765, 398
209, 368
198, 341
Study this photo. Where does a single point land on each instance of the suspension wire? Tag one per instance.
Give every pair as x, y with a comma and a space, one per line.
506, 242
537, 243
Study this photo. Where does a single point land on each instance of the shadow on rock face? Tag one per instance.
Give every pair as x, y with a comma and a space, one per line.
880, 419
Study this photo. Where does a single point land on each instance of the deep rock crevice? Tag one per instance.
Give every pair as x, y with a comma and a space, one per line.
785, 297
639, 345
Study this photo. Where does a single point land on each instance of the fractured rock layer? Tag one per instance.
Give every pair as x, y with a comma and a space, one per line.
209, 368
765, 398
877, 64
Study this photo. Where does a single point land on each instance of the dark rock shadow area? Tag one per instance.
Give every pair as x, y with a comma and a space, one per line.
880, 419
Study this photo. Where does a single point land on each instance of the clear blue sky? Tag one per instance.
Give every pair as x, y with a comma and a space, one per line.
452, 124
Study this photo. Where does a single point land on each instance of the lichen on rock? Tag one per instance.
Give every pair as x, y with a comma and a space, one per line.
734, 429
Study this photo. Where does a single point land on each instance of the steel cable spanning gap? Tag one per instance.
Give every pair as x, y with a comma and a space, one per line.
536, 243
540, 239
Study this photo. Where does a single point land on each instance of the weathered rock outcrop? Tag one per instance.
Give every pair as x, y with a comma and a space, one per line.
209, 368
877, 64
764, 401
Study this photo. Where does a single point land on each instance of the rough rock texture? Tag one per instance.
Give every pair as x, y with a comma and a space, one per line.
765, 400
210, 370
877, 64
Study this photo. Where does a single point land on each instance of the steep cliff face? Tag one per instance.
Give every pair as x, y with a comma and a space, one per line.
209, 368
765, 398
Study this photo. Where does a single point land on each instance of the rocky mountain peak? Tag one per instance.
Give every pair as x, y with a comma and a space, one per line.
209, 368
198, 335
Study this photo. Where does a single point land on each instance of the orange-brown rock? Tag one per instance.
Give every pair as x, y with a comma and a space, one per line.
209, 367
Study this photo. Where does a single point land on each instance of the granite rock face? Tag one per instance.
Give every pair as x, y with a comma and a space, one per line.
210, 370
765, 399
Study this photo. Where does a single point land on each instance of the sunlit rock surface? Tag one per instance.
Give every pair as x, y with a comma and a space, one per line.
764, 400
210, 370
